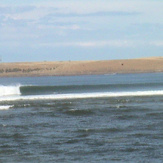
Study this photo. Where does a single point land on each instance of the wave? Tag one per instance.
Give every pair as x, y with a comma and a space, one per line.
82, 95
5, 107
43, 90
23, 92
9, 90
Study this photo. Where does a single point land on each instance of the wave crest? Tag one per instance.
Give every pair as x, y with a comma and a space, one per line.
5, 107
9, 90
83, 95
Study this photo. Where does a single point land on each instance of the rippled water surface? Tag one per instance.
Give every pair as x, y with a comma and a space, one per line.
35, 126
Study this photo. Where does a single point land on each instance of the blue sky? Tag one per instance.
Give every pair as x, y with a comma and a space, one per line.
55, 30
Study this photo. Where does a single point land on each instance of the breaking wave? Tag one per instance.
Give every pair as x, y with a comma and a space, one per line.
5, 107
82, 95
9, 90
44, 90
21, 92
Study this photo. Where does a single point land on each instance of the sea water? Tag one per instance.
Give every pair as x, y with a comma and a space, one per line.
98, 118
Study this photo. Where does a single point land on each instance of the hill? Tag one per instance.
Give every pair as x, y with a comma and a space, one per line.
142, 65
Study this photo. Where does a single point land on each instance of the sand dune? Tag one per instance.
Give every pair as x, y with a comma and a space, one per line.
142, 65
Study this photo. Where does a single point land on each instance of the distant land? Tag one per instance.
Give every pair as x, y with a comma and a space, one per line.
64, 68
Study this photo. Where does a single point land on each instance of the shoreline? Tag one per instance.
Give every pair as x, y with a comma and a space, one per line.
74, 68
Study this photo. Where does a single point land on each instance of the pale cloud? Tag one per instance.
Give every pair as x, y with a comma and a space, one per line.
62, 27
71, 27
86, 7
87, 44
83, 8
15, 9
36, 13
105, 43
90, 6
110, 43
158, 43
81, 24
92, 14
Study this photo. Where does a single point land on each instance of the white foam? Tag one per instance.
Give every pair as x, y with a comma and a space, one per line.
9, 90
5, 107
82, 95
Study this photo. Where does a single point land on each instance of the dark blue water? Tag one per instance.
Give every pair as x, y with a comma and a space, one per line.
124, 125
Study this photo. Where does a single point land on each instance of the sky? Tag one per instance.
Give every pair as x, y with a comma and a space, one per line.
59, 30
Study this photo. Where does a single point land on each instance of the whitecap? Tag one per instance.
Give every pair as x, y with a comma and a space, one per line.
82, 95
5, 107
9, 90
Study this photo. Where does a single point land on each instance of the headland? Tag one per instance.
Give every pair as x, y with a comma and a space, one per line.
65, 68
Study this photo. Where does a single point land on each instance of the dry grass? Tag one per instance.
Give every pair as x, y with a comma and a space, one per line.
153, 64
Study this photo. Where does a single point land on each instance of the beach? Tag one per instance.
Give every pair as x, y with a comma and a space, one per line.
67, 68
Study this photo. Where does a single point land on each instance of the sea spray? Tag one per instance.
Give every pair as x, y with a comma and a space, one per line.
82, 95
5, 107
9, 90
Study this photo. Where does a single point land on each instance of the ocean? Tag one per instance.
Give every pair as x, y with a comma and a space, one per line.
96, 118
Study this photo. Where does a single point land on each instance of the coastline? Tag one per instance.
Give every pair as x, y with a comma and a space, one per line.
68, 68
